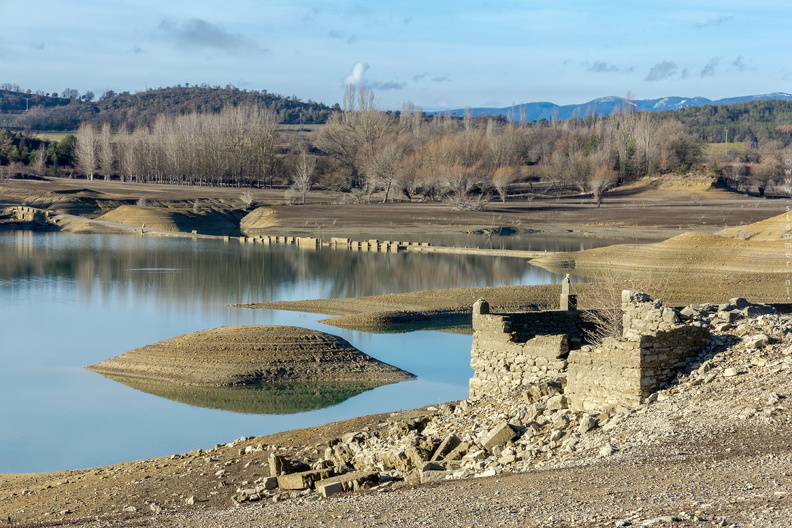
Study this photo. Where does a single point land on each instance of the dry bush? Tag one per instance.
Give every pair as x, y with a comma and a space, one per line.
467, 203
603, 301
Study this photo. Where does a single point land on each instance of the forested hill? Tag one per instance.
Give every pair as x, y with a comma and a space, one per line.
745, 121
142, 108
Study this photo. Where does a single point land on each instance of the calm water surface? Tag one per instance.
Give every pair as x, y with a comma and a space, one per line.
67, 301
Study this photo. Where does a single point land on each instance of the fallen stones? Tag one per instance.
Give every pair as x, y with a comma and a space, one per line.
353, 481
446, 447
303, 479
498, 436
505, 433
758, 341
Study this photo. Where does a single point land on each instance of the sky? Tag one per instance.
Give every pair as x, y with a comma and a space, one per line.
437, 54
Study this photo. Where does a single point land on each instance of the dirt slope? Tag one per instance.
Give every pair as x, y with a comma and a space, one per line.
238, 355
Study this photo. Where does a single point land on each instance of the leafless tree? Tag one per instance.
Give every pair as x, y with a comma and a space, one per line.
86, 150
39, 164
348, 132
602, 179
502, 180
303, 171
384, 162
105, 154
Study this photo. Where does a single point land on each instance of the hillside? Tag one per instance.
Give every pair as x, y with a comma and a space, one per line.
54, 113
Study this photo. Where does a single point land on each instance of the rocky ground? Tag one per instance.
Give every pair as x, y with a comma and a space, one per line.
713, 448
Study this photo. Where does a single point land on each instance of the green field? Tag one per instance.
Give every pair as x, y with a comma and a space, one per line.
723, 148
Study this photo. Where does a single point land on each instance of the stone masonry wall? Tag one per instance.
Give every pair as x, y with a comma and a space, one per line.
519, 350
625, 370
512, 352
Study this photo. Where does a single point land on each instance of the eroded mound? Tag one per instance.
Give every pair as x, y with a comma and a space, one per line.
137, 215
688, 252
240, 355
163, 219
259, 218
772, 229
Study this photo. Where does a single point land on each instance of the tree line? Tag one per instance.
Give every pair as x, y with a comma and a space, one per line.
374, 155
65, 111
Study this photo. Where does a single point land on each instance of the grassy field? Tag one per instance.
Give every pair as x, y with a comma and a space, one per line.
723, 148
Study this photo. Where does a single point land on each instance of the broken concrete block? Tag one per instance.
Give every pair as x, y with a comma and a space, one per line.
329, 489
498, 436
279, 465
756, 341
557, 402
458, 452
352, 481
446, 446
268, 483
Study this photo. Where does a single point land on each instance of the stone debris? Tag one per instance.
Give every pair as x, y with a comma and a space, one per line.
535, 427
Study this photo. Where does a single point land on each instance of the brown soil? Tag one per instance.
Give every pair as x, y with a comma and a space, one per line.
240, 355
648, 209
163, 219
770, 230
758, 249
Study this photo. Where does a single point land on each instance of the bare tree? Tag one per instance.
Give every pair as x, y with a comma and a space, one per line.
303, 171
348, 132
502, 180
86, 150
39, 164
602, 179
105, 154
384, 162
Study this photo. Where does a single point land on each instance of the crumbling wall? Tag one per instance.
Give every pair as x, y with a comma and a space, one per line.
514, 351
623, 371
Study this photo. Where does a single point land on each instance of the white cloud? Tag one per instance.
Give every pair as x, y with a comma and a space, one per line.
356, 77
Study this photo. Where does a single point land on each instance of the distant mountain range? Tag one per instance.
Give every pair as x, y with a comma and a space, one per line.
607, 105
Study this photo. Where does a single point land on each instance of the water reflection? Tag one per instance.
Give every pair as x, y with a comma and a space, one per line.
199, 270
74, 300
269, 398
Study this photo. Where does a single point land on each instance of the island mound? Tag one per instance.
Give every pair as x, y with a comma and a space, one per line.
245, 355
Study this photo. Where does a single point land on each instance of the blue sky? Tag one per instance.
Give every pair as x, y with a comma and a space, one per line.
436, 53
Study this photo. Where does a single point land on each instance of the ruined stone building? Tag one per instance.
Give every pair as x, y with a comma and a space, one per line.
513, 352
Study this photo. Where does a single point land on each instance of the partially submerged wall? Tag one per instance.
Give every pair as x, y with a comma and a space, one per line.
512, 352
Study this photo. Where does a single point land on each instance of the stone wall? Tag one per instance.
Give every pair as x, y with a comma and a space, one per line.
512, 352
623, 371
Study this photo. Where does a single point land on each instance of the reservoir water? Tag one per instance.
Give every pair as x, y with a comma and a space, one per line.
68, 301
